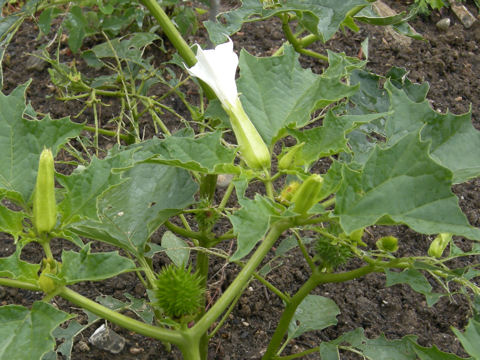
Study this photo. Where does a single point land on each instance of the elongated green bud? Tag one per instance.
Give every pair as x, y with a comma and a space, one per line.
307, 194
288, 159
251, 145
438, 245
44, 204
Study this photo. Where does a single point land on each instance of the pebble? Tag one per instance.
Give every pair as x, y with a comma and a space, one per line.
443, 24
136, 350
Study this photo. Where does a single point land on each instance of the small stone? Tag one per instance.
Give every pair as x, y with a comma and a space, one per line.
463, 15
244, 323
458, 98
107, 339
443, 24
223, 180
35, 62
136, 350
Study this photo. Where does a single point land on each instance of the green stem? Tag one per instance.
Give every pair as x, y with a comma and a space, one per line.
304, 251
127, 138
19, 284
226, 196
313, 281
299, 355
242, 278
202, 268
139, 327
46, 247
148, 271
185, 232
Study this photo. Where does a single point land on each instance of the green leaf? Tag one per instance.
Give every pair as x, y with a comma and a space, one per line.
125, 48
470, 338
321, 17
84, 185
265, 81
204, 154
14, 268
11, 222
405, 348
23, 141
314, 313
26, 334
455, 142
77, 26
330, 138
176, 249
402, 185
417, 282
84, 266
131, 211
251, 223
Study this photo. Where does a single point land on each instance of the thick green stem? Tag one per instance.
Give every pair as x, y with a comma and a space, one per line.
19, 284
139, 327
242, 278
315, 279
202, 268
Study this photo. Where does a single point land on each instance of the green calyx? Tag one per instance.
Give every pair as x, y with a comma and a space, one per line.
179, 292
47, 283
44, 203
251, 145
290, 158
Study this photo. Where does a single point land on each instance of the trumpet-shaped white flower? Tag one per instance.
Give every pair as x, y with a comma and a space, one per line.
217, 68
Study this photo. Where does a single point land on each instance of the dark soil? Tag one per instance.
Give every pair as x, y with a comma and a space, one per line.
448, 60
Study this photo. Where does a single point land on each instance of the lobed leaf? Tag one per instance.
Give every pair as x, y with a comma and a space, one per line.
27, 333
22, 141
84, 266
14, 268
401, 185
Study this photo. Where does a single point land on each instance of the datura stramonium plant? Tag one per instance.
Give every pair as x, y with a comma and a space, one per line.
217, 68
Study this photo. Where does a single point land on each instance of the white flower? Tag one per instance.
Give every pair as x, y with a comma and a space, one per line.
217, 67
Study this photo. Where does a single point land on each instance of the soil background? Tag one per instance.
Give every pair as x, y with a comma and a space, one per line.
448, 60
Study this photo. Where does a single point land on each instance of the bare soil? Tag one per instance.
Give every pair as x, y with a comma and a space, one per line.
449, 60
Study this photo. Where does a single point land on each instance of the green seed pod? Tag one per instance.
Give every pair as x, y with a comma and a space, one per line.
251, 145
387, 243
288, 159
438, 245
330, 255
44, 204
307, 194
179, 292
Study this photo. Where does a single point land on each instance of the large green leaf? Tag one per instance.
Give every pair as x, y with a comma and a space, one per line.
402, 184
251, 222
470, 338
455, 142
14, 268
11, 222
203, 154
84, 185
330, 138
22, 141
416, 280
84, 266
405, 348
26, 334
277, 91
321, 17
131, 211
176, 249
314, 313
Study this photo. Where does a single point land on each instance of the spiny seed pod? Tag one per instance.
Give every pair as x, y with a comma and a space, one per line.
44, 204
288, 159
307, 194
179, 292
331, 255
438, 245
387, 243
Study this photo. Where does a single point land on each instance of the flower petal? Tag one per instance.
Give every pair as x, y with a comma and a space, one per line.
217, 67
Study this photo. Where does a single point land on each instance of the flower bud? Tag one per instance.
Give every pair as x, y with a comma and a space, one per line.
289, 191
288, 160
438, 245
308, 194
44, 204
